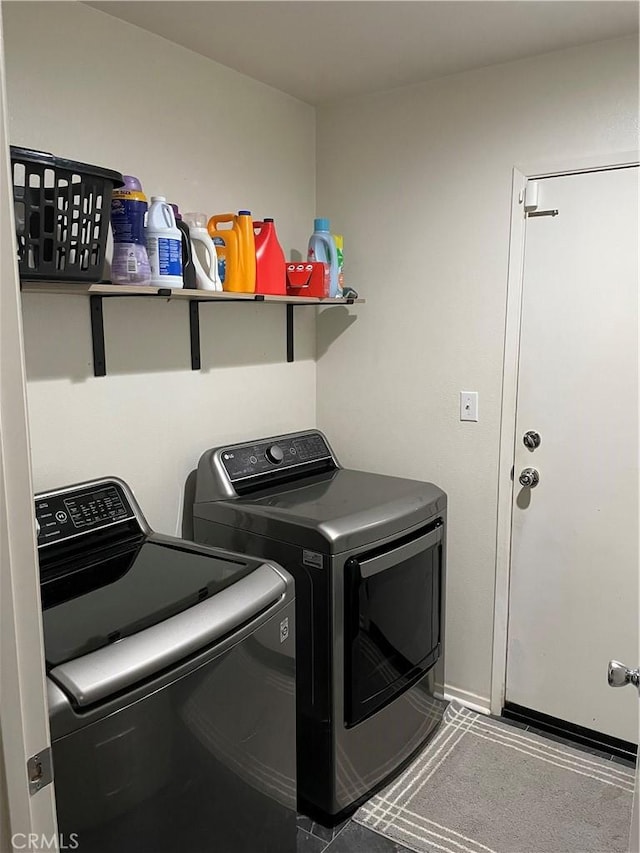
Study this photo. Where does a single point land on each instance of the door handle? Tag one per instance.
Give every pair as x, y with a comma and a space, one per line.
382, 562
529, 478
619, 675
531, 439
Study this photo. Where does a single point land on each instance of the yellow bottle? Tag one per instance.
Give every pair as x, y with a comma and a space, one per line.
236, 250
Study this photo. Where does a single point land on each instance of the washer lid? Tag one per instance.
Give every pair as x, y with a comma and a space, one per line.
333, 512
112, 596
101, 674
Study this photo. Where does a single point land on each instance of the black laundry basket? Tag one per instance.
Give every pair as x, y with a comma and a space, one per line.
62, 210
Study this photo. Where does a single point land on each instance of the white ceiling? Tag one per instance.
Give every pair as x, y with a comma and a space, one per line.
322, 51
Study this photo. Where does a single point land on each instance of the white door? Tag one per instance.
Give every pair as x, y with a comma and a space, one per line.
619, 675
573, 601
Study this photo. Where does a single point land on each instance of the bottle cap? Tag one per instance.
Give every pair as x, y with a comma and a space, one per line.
158, 198
196, 220
268, 219
132, 183
321, 225
244, 213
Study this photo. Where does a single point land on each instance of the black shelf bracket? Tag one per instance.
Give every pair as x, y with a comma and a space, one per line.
97, 324
194, 333
97, 336
194, 329
290, 336
290, 351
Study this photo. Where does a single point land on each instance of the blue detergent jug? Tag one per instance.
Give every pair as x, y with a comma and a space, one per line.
322, 248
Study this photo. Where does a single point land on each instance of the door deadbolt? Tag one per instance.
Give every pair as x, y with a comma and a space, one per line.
531, 439
529, 478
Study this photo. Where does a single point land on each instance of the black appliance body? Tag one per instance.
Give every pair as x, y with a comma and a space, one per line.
171, 683
367, 553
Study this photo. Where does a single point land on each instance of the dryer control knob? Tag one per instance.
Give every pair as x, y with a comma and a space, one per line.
274, 454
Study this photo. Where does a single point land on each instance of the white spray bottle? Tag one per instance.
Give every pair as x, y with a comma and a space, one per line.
205, 259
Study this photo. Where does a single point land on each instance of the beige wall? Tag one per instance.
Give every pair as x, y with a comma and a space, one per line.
419, 181
87, 86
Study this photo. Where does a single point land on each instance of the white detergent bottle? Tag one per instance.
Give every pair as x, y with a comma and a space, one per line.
205, 258
164, 244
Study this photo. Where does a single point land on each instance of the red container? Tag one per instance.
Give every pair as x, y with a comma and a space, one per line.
309, 279
270, 262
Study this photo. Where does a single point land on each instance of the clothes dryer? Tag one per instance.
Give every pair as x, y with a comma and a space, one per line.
367, 553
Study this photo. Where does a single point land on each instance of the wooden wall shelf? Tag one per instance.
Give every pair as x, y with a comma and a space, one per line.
98, 292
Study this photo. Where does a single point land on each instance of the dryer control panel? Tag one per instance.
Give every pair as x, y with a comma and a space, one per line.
275, 454
66, 514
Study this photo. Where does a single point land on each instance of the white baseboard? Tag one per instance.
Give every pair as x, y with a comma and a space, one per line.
481, 704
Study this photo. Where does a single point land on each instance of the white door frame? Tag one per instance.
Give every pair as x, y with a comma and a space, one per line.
24, 724
521, 174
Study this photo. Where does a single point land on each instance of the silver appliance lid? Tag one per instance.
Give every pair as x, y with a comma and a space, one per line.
105, 577
325, 507
104, 672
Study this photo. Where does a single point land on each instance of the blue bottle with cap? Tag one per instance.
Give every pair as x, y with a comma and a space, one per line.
322, 248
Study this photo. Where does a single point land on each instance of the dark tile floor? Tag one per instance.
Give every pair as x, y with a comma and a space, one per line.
351, 837
567, 742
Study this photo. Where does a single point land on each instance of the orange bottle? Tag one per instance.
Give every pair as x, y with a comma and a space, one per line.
236, 250
270, 263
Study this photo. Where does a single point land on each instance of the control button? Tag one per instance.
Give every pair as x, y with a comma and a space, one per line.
274, 454
61, 516
292, 451
253, 459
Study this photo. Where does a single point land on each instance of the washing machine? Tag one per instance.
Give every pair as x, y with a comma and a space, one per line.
367, 553
171, 683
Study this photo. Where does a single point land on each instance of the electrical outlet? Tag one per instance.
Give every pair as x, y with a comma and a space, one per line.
468, 405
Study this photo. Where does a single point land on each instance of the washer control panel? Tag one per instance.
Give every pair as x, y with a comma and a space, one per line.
262, 457
66, 514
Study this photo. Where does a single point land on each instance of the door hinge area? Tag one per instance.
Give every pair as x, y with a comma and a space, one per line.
40, 770
532, 200
531, 195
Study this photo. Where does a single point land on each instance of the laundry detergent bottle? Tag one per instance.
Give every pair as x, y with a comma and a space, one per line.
130, 264
271, 274
164, 244
188, 266
247, 250
322, 248
236, 250
205, 258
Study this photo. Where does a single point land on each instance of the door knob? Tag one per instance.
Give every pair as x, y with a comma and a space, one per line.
618, 675
531, 439
529, 478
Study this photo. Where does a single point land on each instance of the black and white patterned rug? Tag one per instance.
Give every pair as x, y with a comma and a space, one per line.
481, 786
